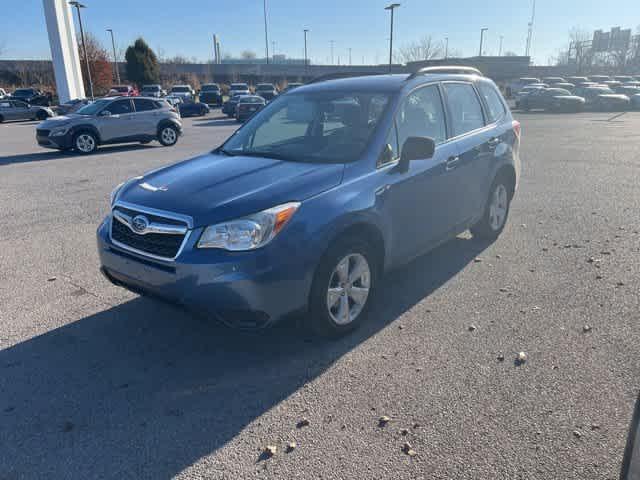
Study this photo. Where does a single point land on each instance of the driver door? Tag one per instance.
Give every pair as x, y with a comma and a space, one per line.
119, 123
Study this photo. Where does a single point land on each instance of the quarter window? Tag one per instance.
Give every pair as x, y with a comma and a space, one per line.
421, 115
495, 106
465, 108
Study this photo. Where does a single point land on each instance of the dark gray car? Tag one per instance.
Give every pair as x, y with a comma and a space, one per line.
19, 110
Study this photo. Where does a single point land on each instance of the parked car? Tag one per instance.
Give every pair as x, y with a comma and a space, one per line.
635, 101
238, 89
628, 90
173, 100
193, 109
623, 78
514, 87
112, 120
11, 109
552, 81
526, 91
577, 80
71, 106
612, 84
266, 91
291, 86
306, 206
32, 96
155, 91
248, 105
599, 78
3, 93
229, 107
603, 99
211, 94
565, 85
123, 91
552, 99
186, 92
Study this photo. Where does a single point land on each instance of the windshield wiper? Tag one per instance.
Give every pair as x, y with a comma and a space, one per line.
257, 153
225, 152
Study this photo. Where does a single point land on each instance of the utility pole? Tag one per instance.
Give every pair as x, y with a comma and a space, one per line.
78, 6
349, 55
391, 8
482, 30
500, 50
266, 36
446, 47
273, 50
115, 57
306, 59
527, 51
331, 42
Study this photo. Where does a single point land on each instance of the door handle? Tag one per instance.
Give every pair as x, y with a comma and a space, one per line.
452, 162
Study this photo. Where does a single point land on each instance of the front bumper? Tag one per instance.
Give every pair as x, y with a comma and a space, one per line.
242, 289
61, 142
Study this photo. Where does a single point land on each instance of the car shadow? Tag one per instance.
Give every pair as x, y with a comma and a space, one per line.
216, 122
47, 155
144, 390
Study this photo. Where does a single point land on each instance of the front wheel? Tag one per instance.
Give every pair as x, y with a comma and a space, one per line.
85, 143
496, 210
168, 135
343, 288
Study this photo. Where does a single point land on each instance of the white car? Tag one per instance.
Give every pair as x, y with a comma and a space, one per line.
186, 92
3, 94
238, 89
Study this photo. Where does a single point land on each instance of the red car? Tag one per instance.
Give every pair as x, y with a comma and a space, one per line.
123, 91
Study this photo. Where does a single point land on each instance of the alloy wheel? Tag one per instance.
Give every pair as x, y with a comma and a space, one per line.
348, 290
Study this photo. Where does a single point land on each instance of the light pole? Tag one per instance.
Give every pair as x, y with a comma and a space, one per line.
349, 55
500, 50
306, 61
331, 42
482, 30
273, 50
391, 8
115, 57
78, 6
266, 37
446, 47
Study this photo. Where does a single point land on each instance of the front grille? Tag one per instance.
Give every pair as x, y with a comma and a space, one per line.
42, 132
157, 244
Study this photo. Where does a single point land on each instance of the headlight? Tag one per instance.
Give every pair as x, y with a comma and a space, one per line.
248, 233
58, 132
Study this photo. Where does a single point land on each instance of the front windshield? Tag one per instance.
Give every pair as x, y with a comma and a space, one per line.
325, 127
210, 88
120, 89
151, 88
180, 89
93, 108
239, 86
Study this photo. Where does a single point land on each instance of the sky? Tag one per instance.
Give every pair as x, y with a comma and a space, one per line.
185, 27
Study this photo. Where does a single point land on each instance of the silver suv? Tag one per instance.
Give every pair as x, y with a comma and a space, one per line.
112, 120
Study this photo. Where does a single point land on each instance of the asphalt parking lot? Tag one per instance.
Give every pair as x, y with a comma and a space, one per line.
96, 382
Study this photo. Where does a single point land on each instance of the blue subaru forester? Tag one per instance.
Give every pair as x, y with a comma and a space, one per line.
306, 206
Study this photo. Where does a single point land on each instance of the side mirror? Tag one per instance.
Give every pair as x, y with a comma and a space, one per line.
416, 148
105, 113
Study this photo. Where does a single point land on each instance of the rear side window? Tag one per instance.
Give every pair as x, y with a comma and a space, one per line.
421, 115
144, 105
495, 107
119, 107
464, 106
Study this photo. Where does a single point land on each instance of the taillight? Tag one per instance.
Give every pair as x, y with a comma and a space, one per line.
516, 128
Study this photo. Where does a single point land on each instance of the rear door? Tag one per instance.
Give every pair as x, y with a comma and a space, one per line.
6, 109
21, 111
146, 116
471, 139
119, 124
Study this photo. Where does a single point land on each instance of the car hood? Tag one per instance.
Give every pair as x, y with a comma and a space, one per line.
60, 120
569, 98
614, 97
213, 188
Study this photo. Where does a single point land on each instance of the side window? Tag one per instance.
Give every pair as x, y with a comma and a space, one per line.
421, 115
143, 105
5, 105
495, 107
464, 105
119, 107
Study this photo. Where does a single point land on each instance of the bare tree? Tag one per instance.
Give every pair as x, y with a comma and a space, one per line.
248, 55
423, 49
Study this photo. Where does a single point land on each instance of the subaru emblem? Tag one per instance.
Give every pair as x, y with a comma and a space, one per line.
139, 223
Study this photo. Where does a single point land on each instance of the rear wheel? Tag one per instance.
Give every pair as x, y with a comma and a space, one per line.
168, 135
85, 143
343, 288
496, 210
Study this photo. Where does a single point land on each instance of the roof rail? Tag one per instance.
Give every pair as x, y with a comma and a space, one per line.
451, 70
339, 75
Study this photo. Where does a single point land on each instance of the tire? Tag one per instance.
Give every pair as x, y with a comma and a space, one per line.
342, 318
85, 142
168, 135
496, 210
